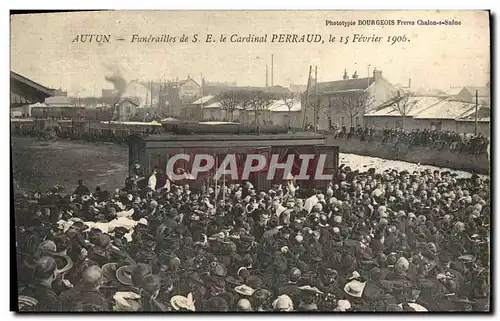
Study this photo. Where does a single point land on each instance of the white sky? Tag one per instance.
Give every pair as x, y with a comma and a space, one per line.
435, 57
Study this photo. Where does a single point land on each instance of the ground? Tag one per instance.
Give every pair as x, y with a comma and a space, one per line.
39, 165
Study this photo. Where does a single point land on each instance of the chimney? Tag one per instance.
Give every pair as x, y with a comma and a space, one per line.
355, 75
345, 75
409, 82
377, 74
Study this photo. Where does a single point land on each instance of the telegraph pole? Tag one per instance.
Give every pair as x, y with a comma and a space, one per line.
316, 107
272, 70
475, 116
369, 75
202, 85
267, 77
151, 103
306, 100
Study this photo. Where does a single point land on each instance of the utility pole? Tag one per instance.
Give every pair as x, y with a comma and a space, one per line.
306, 100
272, 70
151, 103
202, 85
267, 77
475, 116
147, 96
369, 75
316, 108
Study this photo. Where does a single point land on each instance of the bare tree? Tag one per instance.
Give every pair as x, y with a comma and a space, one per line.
354, 103
244, 101
289, 100
259, 102
229, 102
403, 103
318, 106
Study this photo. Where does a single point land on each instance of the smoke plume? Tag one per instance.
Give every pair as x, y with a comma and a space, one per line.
116, 78
119, 83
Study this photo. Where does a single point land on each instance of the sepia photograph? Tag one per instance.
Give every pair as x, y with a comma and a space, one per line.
251, 161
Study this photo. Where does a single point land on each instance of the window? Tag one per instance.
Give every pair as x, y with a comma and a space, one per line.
398, 124
436, 125
128, 110
342, 120
357, 121
285, 120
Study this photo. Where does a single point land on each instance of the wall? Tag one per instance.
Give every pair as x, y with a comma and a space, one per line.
414, 154
394, 122
468, 127
190, 89
411, 124
127, 110
280, 118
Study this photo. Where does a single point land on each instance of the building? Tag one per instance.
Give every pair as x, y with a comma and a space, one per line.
430, 113
466, 122
194, 110
468, 94
344, 102
27, 109
126, 109
217, 90
299, 89
170, 96
60, 92
189, 90
57, 107
24, 91
59, 101
279, 112
286, 113
138, 92
219, 83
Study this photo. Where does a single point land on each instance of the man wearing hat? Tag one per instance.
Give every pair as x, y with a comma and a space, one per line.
41, 287
86, 292
309, 298
81, 189
329, 281
291, 289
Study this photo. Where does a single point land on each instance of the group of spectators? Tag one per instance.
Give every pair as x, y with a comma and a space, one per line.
432, 138
369, 241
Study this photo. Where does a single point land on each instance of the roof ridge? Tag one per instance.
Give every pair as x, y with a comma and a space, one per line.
47, 89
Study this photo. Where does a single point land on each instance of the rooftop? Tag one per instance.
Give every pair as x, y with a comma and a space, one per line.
203, 100
280, 106
483, 115
445, 109
37, 86
59, 100
216, 90
418, 104
482, 91
348, 84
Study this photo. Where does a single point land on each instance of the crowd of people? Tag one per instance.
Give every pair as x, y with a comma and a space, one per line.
369, 241
432, 138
